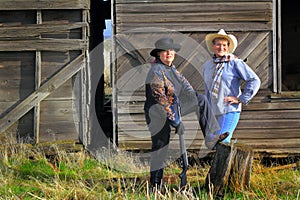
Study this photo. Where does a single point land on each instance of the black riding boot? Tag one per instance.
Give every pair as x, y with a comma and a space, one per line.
156, 178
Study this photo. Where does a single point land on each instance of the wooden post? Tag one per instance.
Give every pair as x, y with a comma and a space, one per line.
231, 168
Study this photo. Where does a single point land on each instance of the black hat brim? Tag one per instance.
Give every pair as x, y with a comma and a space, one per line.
176, 47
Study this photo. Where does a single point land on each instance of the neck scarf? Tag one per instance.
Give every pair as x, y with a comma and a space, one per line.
217, 77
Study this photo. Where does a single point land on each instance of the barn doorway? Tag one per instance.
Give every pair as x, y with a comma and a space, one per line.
100, 14
290, 27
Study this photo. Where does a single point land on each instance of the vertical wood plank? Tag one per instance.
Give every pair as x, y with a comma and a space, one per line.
85, 97
277, 55
38, 67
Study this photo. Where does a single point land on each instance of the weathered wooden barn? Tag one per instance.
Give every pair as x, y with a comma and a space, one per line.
266, 31
51, 68
47, 92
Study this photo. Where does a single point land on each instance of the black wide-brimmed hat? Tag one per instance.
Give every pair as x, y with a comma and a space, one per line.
164, 44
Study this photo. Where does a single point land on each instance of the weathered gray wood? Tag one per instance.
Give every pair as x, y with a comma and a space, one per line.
261, 123
125, 44
231, 168
290, 147
58, 131
254, 139
273, 106
138, 108
43, 45
139, 95
8, 119
14, 94
186, 7
38, 38
241, 16
195, 27
38, 80
43, 4
278, 49
246, 115
34, 30
255, 128
248, 45
194, 15
172, 1
252, 22
285, 96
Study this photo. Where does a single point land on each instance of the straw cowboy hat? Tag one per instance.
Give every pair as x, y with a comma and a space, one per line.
221, 34
164, 44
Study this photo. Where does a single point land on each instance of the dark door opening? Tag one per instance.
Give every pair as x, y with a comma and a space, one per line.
99, 12
290, 26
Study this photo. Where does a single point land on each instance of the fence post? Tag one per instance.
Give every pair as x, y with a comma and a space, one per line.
231, 168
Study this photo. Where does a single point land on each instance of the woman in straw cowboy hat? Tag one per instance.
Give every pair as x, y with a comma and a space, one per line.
223, 75
165, 88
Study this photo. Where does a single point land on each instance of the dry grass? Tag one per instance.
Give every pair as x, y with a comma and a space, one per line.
28, 173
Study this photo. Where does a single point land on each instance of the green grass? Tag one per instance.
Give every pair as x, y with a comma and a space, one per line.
27, 173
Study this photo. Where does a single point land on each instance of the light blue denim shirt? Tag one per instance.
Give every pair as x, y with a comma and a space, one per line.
235, 71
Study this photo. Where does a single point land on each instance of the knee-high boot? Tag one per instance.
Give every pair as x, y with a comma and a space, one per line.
156, 177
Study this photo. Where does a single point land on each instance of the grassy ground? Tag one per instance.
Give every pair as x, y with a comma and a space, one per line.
28, 173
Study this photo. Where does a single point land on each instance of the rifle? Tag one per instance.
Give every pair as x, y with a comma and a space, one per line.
179, 129
182, 175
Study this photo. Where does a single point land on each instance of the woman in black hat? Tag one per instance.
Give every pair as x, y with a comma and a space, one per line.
165, 88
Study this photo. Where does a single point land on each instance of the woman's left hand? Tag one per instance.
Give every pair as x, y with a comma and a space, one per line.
231, 100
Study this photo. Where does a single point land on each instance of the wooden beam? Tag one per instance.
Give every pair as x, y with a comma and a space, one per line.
34, 30
277, 46
43, 4
204, 17
195, 26
127, 46
84, 132
172, 1
272, 106
43, 45
8, 119
38, 80
276, 168
192, 7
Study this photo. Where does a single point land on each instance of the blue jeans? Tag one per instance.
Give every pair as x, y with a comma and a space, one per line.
228, 123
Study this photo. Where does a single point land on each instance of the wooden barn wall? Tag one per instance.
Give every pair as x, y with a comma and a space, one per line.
194, 15
267, 124
40, 43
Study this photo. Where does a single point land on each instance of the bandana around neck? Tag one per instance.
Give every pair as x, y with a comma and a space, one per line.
226, 58
219, 61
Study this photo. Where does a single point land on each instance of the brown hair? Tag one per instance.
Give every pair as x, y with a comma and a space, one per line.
220, 38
